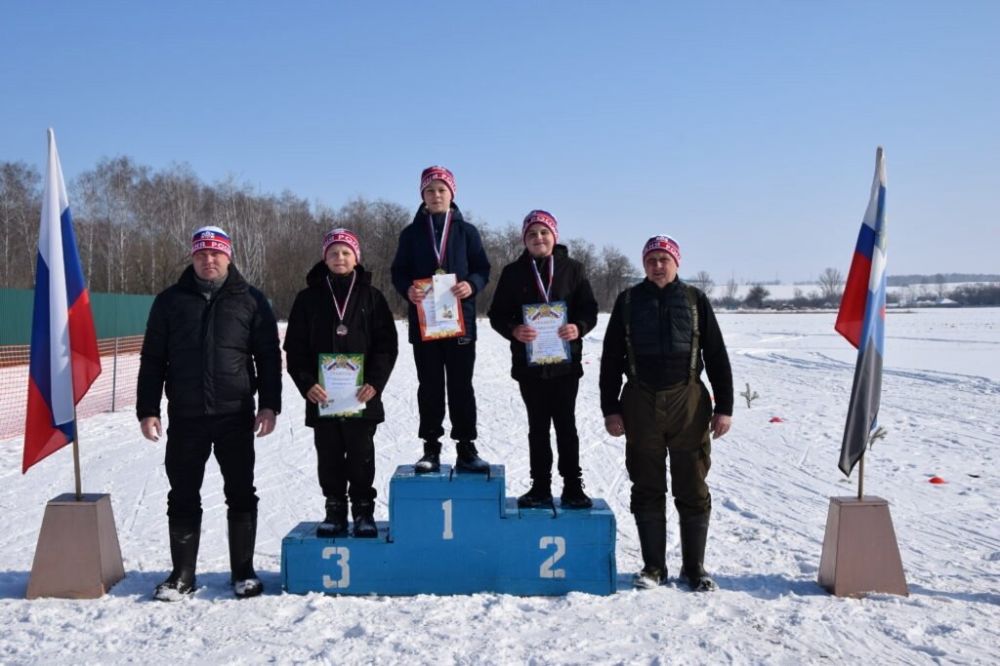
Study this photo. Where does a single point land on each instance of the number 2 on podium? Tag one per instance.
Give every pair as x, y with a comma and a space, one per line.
447, 534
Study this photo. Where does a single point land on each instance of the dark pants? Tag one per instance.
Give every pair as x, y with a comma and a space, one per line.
552, 402
674, 424
189, 444
345, 458
434, 360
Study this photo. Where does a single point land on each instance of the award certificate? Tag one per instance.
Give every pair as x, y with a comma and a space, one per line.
341, 375
546, 318
433, 327
445, 304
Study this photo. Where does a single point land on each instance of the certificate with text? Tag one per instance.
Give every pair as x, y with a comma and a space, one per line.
432, 326
341, 375
546, 319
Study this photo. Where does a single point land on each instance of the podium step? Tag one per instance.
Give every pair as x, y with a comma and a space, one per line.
456, 533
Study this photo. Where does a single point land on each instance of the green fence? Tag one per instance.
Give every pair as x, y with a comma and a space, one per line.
115, 315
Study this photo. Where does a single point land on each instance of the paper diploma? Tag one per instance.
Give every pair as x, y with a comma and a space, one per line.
341, 375
432, 325
546, 318
445, 303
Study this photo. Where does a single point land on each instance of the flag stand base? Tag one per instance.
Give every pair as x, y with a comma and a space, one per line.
860, 553
77, 556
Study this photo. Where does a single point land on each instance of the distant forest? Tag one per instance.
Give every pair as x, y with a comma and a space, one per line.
134, 224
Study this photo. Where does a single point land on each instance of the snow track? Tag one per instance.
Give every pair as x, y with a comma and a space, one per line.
770, 482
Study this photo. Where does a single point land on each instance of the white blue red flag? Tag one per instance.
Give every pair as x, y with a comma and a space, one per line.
64, 356
861, 320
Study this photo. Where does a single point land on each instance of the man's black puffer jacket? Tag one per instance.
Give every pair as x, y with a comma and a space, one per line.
212, 355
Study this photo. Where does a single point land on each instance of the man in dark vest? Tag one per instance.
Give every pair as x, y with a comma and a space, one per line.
661, 335
212, 340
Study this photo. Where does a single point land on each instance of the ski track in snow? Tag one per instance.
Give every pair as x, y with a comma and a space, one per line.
770, 482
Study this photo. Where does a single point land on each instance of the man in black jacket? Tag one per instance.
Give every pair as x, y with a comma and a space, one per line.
212, 339
661, 335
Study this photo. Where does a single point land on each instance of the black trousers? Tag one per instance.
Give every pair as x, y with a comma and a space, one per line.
552, 402
345, 458
189, 443
670, 424
436, 360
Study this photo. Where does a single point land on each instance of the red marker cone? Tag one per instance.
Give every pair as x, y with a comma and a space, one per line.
937, 480
777, 419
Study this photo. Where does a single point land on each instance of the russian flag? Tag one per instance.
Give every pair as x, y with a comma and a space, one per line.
64, 356
861, 320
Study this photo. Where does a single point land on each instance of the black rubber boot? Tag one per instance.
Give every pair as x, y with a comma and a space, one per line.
573, 496
469, 460
431, 461
364, 520
184, 540
335, 522
540, 495
652, 529
694, 535
242, 539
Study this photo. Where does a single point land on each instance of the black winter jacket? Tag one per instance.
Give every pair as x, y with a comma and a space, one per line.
464, 257
661, 340
371, 330
213, 355
517, 287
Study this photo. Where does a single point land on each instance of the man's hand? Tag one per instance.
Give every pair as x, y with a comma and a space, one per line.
721, 425
524, 333
263, 425
151, 428
614, 424
462, 290
568, 332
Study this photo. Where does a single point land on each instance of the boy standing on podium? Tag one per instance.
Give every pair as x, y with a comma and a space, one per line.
546, 288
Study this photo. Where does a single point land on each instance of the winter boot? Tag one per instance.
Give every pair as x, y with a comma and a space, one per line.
694, 534
184, 541
652, 529
573, 496
364, 519
242, 538
431, 461
335, 522
540, 495
469, 460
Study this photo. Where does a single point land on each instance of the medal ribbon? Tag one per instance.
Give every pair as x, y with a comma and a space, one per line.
542, 289
341, 311
439, 252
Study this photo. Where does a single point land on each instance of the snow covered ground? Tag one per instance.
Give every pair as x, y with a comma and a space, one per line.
771, 483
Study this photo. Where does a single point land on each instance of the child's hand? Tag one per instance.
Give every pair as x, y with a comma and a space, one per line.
316, 394
524, 333
366, 393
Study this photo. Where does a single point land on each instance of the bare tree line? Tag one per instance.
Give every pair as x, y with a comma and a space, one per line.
134, 225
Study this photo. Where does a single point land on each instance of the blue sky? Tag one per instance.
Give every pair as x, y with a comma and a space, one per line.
746, 130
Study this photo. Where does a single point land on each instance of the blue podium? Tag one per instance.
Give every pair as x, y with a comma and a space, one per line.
456, 533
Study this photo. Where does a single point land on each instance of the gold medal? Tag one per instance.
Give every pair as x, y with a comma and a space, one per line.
439, 271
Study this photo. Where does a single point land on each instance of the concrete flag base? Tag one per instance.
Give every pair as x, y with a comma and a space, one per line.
77, 556
860, 553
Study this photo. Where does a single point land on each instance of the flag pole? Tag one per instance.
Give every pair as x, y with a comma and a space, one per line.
76, 456
861, 477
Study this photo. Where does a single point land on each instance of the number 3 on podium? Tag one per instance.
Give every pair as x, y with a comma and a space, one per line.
343, 561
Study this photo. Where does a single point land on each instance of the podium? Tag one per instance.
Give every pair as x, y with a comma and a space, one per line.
456, 533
